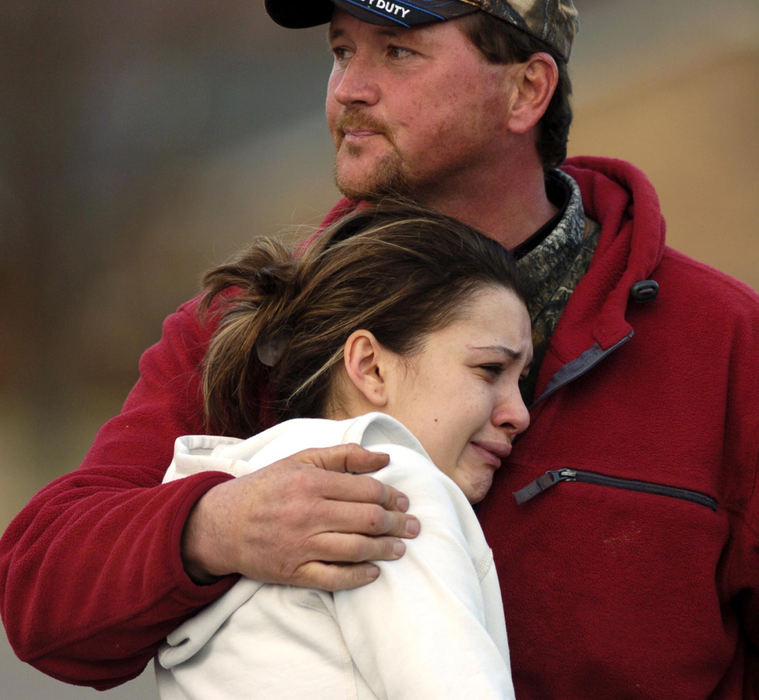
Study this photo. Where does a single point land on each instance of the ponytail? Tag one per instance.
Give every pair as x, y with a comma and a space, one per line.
243, 347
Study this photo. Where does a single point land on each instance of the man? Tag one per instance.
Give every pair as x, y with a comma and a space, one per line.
629, 550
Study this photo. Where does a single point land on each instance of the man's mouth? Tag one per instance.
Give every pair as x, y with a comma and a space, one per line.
356, 134
354, 128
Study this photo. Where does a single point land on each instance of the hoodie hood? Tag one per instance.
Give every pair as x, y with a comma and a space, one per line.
622, 200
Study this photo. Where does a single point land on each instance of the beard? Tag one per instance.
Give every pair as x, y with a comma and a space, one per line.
385, 180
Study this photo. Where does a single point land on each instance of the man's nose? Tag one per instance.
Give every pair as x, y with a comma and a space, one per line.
356, 82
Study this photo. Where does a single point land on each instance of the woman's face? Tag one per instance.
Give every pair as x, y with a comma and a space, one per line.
460, 394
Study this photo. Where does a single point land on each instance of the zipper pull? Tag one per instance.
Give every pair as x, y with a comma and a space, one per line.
543, 483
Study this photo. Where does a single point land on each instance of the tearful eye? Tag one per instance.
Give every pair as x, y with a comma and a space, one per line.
493, 369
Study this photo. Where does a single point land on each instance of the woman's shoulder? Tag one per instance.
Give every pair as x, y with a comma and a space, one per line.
372, 429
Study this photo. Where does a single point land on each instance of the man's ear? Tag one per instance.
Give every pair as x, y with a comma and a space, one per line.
534, 83
365, 364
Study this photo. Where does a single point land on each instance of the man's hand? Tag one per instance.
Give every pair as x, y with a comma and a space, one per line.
306, 520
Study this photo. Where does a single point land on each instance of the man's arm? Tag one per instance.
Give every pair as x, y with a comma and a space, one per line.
91, 570
288, 522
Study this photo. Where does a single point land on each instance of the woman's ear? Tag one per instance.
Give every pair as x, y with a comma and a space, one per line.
365, 364
534, 83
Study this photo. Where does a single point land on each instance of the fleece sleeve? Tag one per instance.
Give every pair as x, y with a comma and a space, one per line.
432, 624
91, 578
740, 476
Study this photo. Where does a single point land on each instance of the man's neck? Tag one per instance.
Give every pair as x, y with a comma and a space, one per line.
508, 208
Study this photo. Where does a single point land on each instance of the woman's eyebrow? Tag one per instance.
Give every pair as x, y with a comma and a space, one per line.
503, 349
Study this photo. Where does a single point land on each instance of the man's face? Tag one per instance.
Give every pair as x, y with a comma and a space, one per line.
417, 112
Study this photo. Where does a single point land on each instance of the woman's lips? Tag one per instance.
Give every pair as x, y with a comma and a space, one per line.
492, 452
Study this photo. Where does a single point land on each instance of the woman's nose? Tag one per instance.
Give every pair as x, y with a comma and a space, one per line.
512, 413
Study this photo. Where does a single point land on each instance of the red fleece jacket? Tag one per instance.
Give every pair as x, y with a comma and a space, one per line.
643, 585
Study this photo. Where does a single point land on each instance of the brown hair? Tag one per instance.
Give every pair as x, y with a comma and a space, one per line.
397, 270
500, 42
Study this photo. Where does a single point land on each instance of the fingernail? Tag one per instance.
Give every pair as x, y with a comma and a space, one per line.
398, 548
372, 571
401, 503
412, 527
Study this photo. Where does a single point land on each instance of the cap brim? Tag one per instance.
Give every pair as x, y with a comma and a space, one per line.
297, 14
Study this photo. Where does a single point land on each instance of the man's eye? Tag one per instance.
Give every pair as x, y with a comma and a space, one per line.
340, 53
398, 52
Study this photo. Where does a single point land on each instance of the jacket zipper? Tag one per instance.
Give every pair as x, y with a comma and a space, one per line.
553, 477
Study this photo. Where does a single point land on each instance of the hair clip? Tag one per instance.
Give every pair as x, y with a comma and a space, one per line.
270, 350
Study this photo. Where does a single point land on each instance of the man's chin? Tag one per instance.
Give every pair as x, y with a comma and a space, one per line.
359, 193
380, 182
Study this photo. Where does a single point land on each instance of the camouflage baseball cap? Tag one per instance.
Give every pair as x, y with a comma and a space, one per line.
554, 22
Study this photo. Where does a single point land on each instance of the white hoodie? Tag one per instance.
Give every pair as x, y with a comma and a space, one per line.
431, 626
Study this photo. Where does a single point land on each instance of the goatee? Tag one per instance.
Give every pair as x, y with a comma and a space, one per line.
384, 180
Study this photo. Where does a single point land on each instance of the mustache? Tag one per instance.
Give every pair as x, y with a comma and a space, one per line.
359, 120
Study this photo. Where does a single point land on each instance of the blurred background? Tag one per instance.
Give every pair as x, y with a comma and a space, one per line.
142, 142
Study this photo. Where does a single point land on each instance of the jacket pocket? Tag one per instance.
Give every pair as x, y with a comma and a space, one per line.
556, 476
